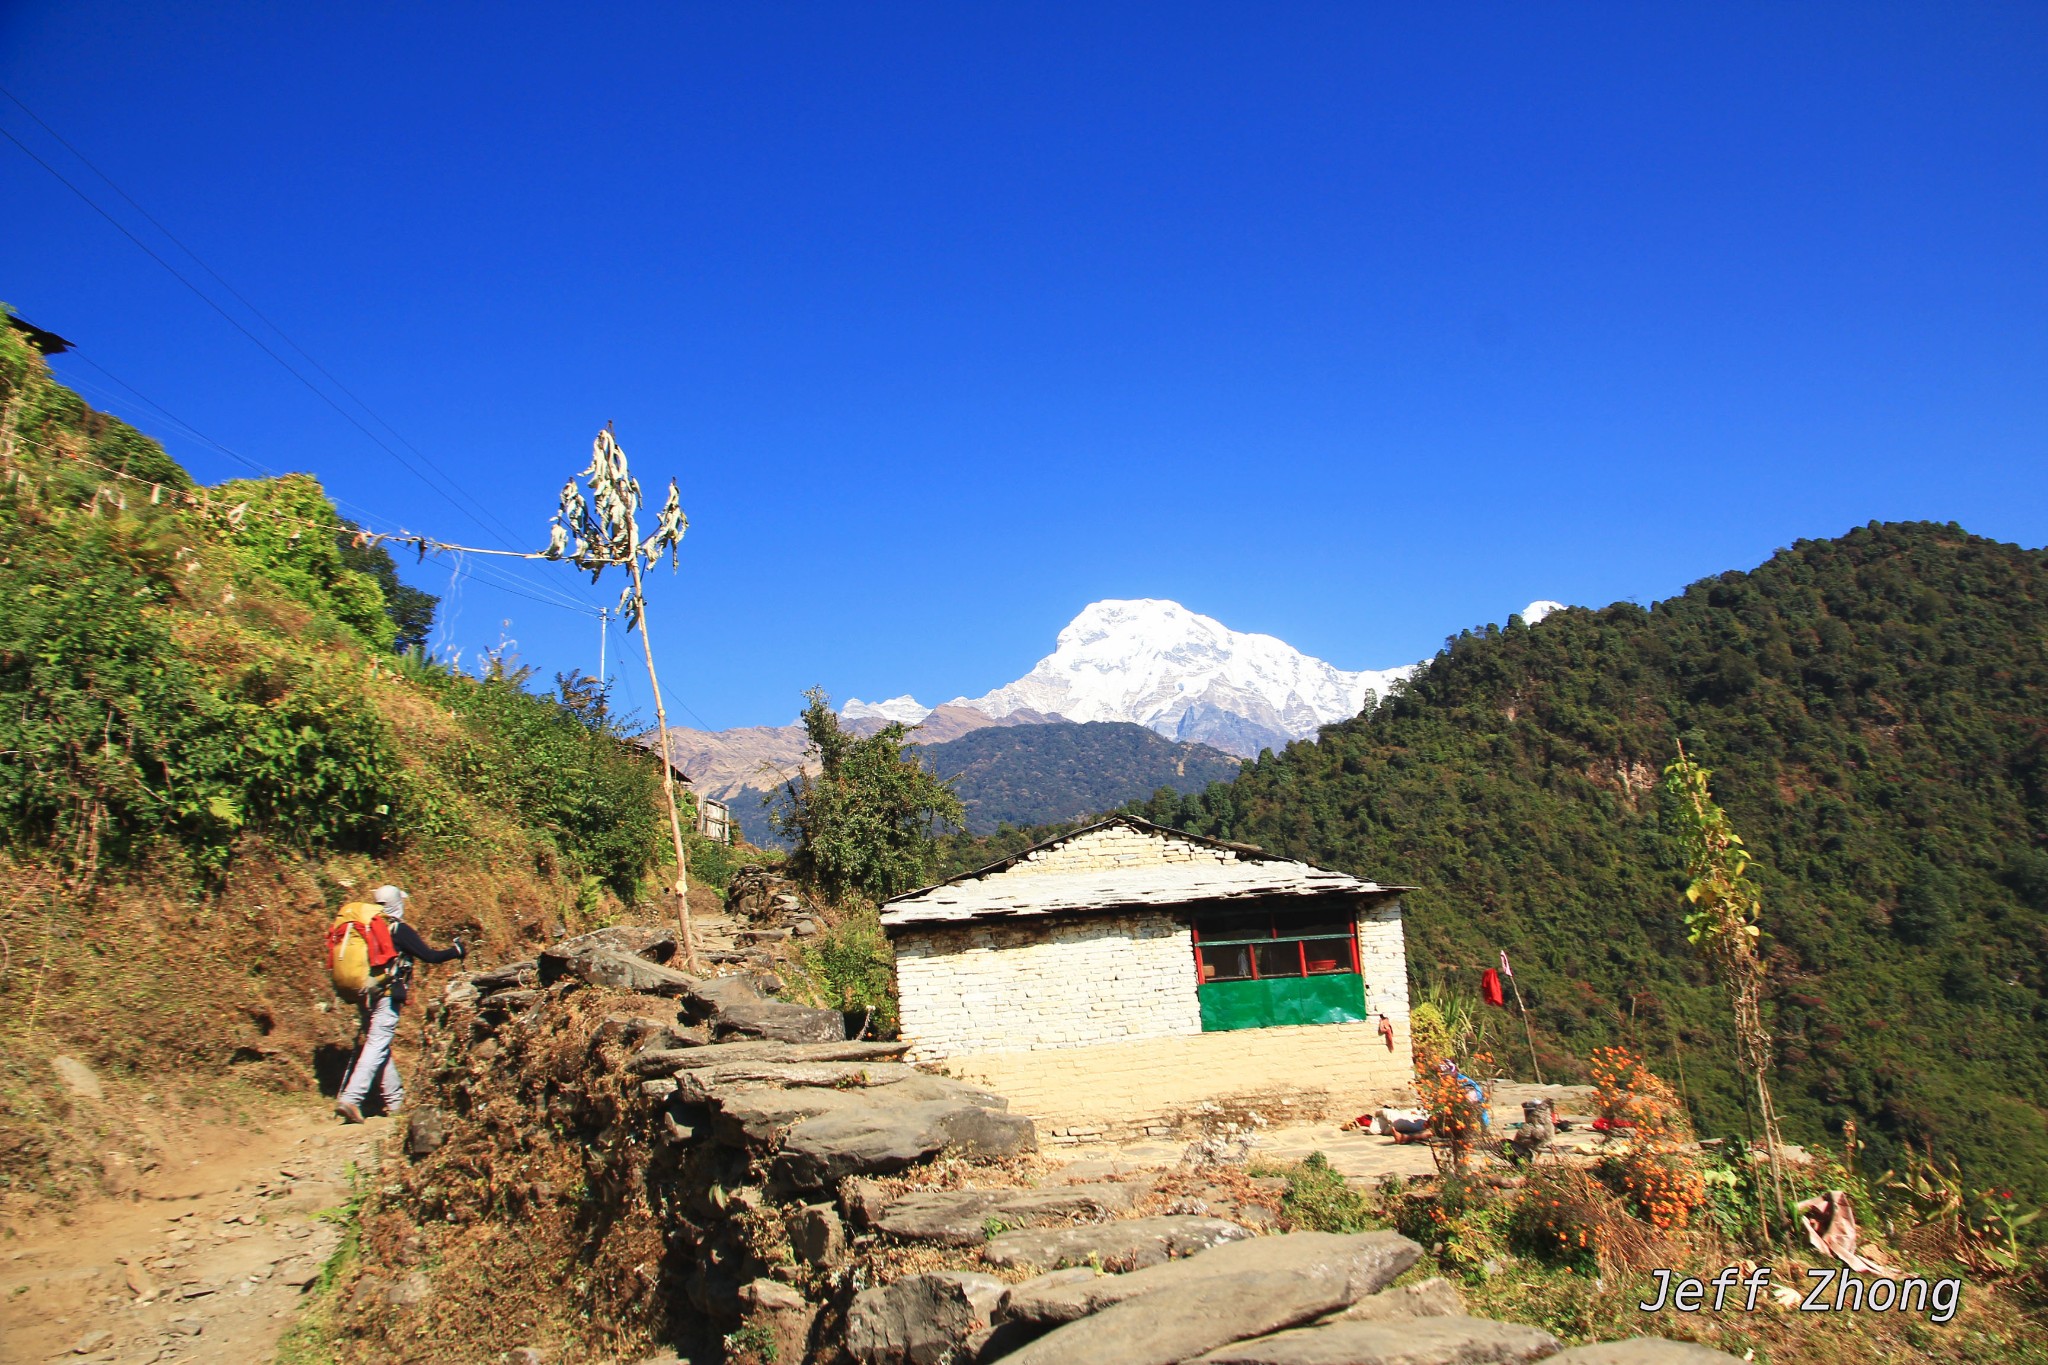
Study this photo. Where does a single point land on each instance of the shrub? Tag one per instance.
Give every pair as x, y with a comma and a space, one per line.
850, 967
1317, 1198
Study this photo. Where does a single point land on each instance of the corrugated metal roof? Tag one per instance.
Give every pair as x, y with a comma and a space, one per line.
988, 894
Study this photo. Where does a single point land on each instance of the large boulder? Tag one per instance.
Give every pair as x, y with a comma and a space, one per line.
562, 957
1180, 1309
920, 1320
1129, 1245
885, 1134
778, 1021
965, 1217
625, 972
1415, 1341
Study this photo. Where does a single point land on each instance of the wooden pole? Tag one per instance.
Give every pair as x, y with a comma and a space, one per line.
1527, 1028
668, 781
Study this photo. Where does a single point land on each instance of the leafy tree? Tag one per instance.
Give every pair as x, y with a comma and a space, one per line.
411, 609
867, 824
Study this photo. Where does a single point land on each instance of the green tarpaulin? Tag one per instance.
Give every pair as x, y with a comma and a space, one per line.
1336, 999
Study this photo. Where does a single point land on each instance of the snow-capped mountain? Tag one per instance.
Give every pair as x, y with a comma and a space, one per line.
1187, 676
903, 709
1531, 614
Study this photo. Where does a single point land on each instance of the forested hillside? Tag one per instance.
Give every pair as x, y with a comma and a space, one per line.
1045, 773
1875, 709
208, 740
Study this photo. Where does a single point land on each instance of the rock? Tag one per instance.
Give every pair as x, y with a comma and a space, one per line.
512, 999
1129, 1245
1417, 1341
879, 1137
720, 1054
410, 1292
756, 1115
764, 1296
920, 1320
1644, 1351
140, 1284
1432, 1298
424, 1132
78, 1078
460, 993
1341, 1268
567, 957
963, 1217
775, 1021
624, 972
658, 1048
528, 1355
92, 1341
701, 1084
816, 1235
502, 978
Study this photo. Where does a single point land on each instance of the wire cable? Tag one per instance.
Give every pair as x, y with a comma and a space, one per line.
241, 298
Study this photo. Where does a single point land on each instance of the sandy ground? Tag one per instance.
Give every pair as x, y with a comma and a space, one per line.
206, 1261
1358, 1156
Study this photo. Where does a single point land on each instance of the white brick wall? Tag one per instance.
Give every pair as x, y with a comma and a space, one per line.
1046, 984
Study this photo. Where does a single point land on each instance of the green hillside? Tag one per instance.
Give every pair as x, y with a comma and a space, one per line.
1039, 774
208, 740
1875, 709
1045, 774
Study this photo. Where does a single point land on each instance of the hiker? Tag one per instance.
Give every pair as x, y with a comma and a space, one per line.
380, 1007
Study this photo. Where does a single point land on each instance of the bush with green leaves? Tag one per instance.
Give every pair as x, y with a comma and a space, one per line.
867, 823
850, 967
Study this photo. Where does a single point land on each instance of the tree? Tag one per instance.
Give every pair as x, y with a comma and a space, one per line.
1722, 924
411, 609
868, 822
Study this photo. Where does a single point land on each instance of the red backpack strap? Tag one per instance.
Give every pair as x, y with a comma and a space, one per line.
377, 936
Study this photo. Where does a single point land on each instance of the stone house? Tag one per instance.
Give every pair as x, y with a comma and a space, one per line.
1126, 978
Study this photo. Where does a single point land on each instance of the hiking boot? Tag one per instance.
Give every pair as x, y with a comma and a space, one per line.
348, 1111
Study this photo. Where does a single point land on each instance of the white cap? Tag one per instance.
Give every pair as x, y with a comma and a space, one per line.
392, 899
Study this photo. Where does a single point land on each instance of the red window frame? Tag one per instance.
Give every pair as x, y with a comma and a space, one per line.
1273, 925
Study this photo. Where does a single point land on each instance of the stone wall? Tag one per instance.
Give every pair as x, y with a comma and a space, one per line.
1092, 1025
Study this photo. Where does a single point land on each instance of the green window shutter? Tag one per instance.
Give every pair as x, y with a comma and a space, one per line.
1334, 999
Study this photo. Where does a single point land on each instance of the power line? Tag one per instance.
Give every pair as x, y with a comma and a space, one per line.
455, 498
244, 301
507, 582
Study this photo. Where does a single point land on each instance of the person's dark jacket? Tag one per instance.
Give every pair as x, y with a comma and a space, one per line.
410, 945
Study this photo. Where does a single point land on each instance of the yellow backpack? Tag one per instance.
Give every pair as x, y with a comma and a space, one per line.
359, 948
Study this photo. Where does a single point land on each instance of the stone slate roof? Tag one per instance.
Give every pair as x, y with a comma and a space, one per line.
1238, 872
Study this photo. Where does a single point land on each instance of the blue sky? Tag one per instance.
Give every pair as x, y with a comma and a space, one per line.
1350, 325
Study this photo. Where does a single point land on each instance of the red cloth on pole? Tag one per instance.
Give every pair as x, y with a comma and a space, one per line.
1489, 986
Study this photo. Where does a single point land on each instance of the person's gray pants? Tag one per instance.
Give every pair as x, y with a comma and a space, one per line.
374, 1062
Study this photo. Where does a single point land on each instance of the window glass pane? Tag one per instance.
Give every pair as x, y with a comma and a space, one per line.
1254, 925
1278, 959
1226, 963
1321, 926
1327, 955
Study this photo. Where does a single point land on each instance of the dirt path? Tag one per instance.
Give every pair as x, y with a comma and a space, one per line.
207, 1262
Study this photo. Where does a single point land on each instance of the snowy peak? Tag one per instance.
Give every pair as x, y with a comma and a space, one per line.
904, 710
1539, 609
1187, 676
